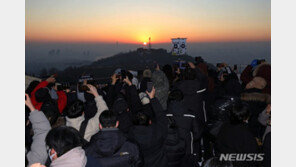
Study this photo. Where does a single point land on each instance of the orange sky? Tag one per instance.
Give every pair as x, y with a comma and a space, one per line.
134, 22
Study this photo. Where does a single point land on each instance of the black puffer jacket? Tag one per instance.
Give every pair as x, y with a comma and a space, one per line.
151, 138
111, 149
193, 92
186, 123
186, 140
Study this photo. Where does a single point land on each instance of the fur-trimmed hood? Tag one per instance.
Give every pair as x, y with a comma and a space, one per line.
255, 72
255, 96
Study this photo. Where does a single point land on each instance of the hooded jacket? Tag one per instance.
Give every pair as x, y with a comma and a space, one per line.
111, 148
41, 127
188, 131
73, 158
193, 92
93, 124
151, 138
62, 97
187, 124
257, 103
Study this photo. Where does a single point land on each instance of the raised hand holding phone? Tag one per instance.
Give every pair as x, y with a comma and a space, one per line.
51, 79
149, 86
92, 90
127, 81
152, 93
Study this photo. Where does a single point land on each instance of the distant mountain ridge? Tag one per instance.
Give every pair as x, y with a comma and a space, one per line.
139, 59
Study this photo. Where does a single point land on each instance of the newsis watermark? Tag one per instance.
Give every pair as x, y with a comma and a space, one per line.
242, 157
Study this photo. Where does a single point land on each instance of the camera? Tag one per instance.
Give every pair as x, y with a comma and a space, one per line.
81, 86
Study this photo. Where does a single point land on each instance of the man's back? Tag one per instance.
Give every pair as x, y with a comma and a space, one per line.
151, 142
111, 148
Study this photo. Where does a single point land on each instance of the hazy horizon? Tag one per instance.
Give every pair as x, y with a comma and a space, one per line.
61, 55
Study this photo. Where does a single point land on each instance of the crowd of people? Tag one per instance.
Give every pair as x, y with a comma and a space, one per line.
179, 115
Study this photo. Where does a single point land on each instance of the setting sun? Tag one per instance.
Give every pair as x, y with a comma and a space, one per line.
144, 43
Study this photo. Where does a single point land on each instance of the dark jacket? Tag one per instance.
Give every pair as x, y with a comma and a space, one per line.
235, 139
257, 103
193, 91
92, 162
183, 140
186, 123
229, 87
111, 148
151, 138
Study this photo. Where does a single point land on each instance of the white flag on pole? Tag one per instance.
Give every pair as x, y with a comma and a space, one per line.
179, 46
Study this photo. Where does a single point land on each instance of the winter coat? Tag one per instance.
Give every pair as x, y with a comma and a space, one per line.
62, 97
257, 102
161, 85
73, 158
193, 92
263, 118
235, 139
93, 123
264, 70
229, 87
246, 76
111, 149
151, 138
186, 123
41, 126
182, 140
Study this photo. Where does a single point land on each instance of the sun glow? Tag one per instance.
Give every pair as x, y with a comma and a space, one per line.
145, 43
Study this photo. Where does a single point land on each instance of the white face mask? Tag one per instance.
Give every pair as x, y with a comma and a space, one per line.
51, 156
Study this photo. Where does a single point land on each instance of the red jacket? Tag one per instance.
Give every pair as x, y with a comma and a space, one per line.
62, 100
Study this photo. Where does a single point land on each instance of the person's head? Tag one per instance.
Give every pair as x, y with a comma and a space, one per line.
31, 87
42, 95
199, 60
239, 113
62, 139
141, 119
119, 106
147, 73
75, 110
108, 119
51, 111
189, 74
175, 95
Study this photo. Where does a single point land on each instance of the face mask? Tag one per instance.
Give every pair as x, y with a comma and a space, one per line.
53, 94
51, 156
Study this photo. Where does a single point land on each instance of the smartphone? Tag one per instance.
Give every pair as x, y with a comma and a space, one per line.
149, 86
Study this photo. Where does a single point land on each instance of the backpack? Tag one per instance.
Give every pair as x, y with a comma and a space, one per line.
174, 144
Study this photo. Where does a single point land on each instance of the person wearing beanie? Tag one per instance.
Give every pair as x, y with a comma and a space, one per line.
147, 73
78, 118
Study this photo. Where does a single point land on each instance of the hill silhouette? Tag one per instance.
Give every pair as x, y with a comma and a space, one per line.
134, 60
